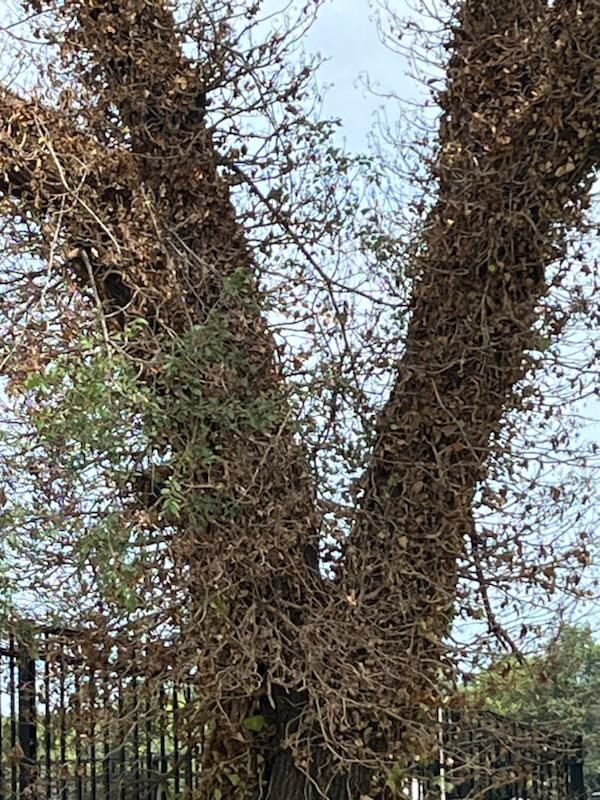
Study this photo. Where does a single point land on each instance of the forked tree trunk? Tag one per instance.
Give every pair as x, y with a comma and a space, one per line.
518, 143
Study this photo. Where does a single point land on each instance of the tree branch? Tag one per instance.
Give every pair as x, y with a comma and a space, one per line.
152, 226
518, 147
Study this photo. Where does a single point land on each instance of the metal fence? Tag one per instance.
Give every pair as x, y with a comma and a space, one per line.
490, 757
73, 731
72, 728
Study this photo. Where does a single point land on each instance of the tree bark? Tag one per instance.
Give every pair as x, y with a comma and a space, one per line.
323, 780
289, 783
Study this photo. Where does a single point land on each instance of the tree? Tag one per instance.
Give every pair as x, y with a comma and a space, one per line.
163, 440
560, 685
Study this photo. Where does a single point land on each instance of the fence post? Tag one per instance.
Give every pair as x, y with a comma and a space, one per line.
27, 731
576, 779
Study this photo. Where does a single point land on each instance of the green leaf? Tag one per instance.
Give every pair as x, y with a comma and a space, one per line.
544, 343
396, 777
255, 723
33, 381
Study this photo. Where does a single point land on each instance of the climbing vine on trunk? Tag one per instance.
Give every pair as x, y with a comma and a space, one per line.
174, 418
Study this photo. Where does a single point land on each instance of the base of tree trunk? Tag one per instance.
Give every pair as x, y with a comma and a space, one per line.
287, 782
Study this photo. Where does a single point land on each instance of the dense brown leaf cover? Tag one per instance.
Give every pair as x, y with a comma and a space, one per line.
122, 189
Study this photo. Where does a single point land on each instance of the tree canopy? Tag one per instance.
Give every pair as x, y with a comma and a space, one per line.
271, 427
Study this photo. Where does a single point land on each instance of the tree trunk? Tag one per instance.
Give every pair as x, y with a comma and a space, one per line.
322, 781
288, 783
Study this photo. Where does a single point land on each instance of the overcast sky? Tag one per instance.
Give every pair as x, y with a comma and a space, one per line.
345, 34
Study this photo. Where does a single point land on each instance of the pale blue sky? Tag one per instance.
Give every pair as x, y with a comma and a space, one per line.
345, 33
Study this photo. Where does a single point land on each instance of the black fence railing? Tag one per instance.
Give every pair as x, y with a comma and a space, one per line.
487, 756
74, 728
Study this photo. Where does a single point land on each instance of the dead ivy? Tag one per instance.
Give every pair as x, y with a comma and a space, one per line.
192, 515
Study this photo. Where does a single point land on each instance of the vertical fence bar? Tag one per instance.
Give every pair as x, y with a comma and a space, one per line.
47, 723
547, 773
27, 720
62, 727
162, 768
136, 737
148, 730
189, 749
92, 694
576, 772
536, 792
558, 784
556, 780
481, 756
106, 741
176, 739
79, 764
2, 756
122, 743
12, 689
